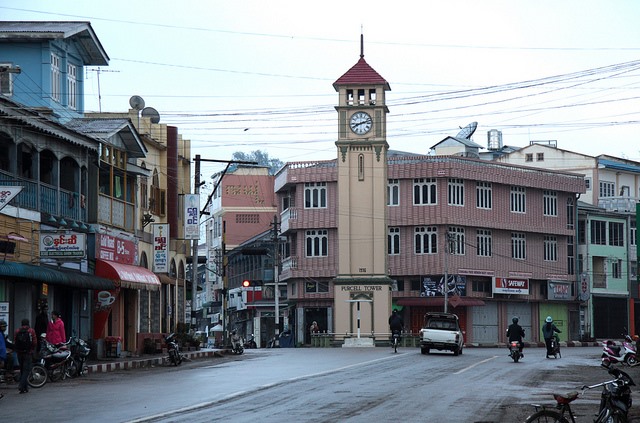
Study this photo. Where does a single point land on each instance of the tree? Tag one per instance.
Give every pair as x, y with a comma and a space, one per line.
261, 157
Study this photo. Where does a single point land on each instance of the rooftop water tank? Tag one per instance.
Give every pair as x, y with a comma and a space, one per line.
494, 139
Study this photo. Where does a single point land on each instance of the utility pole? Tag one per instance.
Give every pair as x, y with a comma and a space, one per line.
194, 243
276, 278
447, 251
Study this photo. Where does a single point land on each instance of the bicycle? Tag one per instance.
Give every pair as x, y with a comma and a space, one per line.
615, 402
395, 340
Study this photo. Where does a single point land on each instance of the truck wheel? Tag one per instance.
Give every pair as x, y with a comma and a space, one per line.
456, 352
424, 350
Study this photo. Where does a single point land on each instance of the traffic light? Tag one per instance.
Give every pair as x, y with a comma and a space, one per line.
246, 283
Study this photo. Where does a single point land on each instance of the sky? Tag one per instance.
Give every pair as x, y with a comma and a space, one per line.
255, 75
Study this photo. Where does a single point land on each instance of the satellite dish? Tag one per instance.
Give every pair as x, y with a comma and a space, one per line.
136, 102
467, 131
152, 114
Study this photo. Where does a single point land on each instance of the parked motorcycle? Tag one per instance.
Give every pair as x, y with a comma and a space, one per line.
175, 357
52, 364
250, 343
79, 353
514, 351
615, 353
236, 343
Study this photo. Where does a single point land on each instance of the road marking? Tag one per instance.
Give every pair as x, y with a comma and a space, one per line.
474, 365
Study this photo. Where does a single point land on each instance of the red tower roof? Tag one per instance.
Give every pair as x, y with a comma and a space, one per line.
361, 74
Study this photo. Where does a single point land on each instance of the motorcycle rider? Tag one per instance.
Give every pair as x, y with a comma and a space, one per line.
516, 333
396, 324
548, 330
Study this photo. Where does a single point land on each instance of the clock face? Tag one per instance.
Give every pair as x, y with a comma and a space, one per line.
360, 123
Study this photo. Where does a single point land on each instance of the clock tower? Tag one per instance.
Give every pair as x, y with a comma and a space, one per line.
362, 289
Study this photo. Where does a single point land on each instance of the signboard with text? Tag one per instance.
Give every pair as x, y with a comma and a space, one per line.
7, 193
511, 286
191, 216
61, 245
112, 248
161, 247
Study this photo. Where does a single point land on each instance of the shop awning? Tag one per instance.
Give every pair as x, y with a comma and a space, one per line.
128, 276
54, 276
166, 279
455, 301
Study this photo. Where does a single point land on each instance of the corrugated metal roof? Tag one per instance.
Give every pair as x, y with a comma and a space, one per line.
12, 110
105, 128
361, 74
610, 164
89, 46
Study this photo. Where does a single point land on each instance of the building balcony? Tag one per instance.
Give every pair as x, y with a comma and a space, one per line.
290, 214
46, 198
114, 212
619, 204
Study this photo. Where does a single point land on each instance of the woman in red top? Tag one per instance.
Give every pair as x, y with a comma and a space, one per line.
55, 329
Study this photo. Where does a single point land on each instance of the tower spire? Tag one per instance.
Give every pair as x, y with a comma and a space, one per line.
361, 43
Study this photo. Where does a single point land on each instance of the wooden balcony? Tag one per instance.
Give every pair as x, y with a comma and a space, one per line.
45, 198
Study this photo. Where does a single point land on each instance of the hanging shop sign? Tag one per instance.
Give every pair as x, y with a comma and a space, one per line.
191, 216
160, 247
113, 248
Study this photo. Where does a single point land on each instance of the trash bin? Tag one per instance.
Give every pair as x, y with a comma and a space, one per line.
286, 339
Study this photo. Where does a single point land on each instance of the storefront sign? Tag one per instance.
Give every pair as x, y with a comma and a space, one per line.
113, 248
7, 193
4, 313
433, 286
161, 247
511, 286
558, 290
56, 245
102, 304
191, 216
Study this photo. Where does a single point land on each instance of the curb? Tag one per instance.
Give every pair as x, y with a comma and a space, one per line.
136, 363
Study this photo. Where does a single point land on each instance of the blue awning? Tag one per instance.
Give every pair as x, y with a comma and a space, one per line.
61, 276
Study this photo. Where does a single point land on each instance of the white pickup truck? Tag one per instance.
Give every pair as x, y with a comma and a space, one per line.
441, 331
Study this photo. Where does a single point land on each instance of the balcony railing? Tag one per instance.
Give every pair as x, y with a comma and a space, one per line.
45, 198
620, 204
287, 215
114, 212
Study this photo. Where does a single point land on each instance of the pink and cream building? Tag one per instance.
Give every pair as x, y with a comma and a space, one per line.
374, 230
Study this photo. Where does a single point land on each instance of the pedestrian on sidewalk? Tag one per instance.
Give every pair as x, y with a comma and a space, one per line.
25, 353
55, 329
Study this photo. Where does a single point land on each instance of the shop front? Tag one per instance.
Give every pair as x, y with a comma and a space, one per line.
116, 310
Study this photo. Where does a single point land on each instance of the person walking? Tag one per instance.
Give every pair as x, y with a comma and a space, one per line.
55, 329
548, 331
11, 361
25, 342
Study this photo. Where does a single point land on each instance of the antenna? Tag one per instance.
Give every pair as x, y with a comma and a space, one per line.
467, 131
136, 102
152, 114
97, 71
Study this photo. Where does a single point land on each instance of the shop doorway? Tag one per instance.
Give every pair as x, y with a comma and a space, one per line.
315, 314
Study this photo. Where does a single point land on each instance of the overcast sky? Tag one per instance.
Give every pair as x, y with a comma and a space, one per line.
247, 75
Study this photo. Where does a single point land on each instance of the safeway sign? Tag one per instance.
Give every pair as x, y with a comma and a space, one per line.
511, 286
7, 193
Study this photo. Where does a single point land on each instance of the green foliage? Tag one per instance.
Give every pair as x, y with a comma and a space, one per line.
261, 157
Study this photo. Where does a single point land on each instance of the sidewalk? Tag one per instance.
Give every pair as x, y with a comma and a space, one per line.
104, 365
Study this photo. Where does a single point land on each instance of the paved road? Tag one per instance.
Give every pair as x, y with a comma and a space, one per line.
319, 385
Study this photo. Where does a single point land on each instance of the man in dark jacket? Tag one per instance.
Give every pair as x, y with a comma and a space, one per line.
25, 356
516, 333
396, 324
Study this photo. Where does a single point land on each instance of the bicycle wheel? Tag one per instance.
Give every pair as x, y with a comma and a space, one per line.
546, 416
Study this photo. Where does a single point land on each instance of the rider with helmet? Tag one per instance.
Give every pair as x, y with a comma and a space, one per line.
516, 333
548, 331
